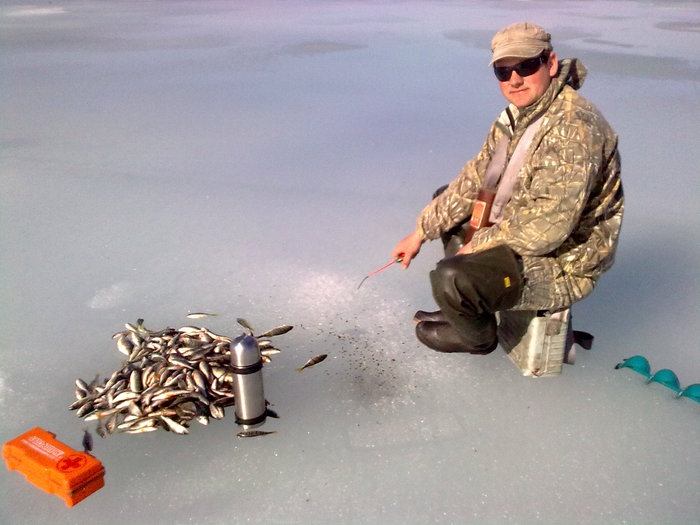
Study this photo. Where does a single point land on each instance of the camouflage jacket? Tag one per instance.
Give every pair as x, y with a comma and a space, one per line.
565, 213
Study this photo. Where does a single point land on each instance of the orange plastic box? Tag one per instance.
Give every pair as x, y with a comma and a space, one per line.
54, 467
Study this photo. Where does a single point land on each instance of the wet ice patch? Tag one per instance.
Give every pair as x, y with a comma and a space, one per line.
111, 296
30, 10
318, 47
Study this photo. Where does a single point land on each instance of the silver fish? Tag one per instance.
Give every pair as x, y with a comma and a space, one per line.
141, 430
206, 370
135, 382
80, 401
136, 424
216, 411
200, 315
199, 381
80, 394
99, 414
86, 409
277, 331
193, 330
245, 324
167, 394
313, 361
180, 361
254, 433
126, 395
174, 426
125, 346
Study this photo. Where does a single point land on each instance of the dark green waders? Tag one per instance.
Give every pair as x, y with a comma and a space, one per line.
470, 289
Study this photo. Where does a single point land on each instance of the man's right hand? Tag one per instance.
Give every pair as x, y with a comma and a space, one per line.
407, 248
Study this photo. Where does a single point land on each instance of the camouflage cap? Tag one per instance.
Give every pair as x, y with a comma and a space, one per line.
520, 40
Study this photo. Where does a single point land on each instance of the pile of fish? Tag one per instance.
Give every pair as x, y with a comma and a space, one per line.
170, 377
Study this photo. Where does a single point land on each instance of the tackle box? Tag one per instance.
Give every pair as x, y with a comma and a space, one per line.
537, 343
53, 466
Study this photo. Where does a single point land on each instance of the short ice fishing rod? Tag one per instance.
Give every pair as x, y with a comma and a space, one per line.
397, 260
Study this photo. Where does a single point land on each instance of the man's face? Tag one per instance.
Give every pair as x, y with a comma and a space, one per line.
523, 91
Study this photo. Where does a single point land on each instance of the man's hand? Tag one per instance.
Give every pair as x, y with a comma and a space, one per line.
407, 248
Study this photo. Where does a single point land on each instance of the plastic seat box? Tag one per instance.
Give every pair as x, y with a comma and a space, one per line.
537, 342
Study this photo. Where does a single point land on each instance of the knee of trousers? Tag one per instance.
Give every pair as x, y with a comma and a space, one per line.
453, 288
479, 283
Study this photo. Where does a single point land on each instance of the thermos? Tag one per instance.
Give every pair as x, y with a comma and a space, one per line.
247, 364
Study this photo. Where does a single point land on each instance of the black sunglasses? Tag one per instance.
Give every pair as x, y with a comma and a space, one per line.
524, 69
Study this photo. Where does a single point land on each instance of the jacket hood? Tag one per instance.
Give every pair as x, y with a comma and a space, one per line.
571, 73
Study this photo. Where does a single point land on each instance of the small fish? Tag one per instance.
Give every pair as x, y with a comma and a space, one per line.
216, 411
86, 408
174, 425
312, 361
189, 330
135, 382
124, 345
245, 324
141, 430
199, 380
87, 441
277, 331
271, 413
200, 315
253, 433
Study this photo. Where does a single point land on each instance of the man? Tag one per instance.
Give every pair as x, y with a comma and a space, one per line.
551, 160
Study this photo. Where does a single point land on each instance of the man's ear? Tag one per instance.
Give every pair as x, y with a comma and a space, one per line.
553, 64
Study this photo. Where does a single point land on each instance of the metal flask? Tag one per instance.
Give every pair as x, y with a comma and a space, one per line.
247, 381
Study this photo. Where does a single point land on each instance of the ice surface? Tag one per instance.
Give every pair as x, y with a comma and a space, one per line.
257, 159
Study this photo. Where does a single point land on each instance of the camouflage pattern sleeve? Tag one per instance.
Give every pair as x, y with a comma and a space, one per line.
454, 205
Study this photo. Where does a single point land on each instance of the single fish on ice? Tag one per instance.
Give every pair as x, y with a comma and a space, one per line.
313, 361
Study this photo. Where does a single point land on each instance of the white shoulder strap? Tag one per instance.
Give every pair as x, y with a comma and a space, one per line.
505, 187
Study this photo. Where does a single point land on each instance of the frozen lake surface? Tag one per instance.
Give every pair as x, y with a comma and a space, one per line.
257, 159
